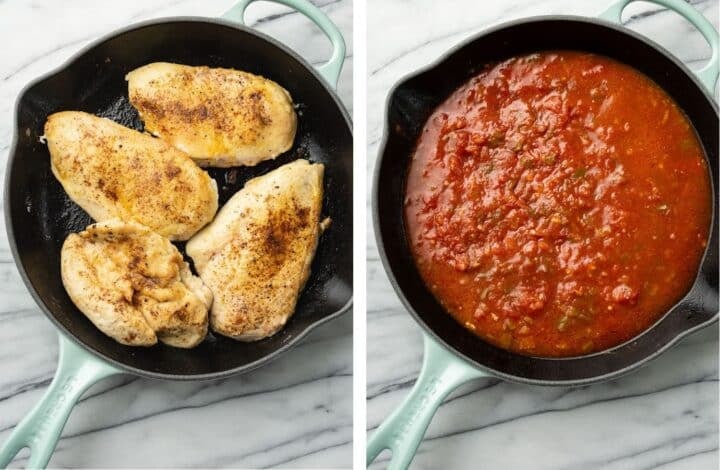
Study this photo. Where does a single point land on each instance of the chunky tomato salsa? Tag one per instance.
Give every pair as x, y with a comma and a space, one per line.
558, 203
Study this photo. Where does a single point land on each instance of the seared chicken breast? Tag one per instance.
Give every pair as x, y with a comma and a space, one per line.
134, 285
115, 172
255, 256
220, 117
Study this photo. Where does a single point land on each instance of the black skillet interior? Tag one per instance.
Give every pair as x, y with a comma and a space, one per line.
411, 103
41, 215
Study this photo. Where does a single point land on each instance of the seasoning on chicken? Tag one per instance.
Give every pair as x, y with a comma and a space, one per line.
134, 285
256, 255
115, 172
220, 117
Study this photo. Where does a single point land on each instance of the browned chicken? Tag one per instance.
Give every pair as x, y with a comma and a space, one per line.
134, 285
112, 171
220, 117
255, 256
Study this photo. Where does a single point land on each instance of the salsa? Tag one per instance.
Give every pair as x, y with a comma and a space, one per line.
558, 203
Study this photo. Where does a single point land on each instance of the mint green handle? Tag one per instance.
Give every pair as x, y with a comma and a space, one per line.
41, 428
441, 373
330, 70
708, 75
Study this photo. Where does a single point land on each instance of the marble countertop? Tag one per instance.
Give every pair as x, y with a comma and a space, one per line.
295, 412
663, 416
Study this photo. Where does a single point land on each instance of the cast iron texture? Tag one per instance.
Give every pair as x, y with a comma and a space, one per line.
408, 107
39, 215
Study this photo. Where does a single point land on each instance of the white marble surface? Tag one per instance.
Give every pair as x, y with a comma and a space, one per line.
295, 412
664, 416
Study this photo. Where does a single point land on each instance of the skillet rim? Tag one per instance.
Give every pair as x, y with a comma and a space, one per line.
380, 243
9, 224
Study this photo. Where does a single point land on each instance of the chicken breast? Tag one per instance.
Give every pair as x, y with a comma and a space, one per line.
255, 256
134, 285
115, 172
220, 117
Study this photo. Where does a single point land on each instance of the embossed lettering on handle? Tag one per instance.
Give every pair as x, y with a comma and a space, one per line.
54, 407
403, 430
41, 428
428, 393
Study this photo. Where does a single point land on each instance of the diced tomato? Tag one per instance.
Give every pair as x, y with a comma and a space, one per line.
555, 211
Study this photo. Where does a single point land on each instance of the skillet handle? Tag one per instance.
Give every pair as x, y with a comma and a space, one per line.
441, 373
41, 428
708, 75
330, 70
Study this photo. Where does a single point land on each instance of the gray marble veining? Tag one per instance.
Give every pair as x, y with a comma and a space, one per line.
295, 412
663, 416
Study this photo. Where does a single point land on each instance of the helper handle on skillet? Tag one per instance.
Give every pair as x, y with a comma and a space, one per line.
708, 75
41, 428
330, 70
441, 373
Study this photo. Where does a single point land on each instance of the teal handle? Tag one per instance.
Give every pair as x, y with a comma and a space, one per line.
330, 70
708, 75
41, 428
441, 373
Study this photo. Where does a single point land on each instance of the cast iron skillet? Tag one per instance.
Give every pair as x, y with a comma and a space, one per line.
39, 215
453, 355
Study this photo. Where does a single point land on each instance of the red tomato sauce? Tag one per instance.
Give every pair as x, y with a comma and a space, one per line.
558, 203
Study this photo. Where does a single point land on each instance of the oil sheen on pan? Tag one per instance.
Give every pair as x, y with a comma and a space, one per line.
558, 203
